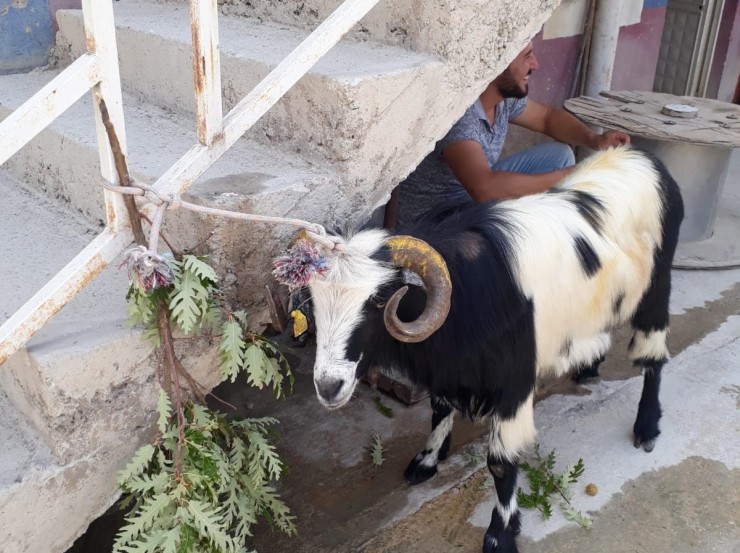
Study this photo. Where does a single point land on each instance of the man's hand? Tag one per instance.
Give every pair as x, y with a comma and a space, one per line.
609, 139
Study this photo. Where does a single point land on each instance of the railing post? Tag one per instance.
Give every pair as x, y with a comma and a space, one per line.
206, 70
100, 33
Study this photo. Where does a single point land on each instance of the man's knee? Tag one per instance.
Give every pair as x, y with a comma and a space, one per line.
562, 155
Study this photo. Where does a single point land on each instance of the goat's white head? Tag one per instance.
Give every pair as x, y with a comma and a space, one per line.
352, 278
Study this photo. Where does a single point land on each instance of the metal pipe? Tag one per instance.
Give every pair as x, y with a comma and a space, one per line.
604, 47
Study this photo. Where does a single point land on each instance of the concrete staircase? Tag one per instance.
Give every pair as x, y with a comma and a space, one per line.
78, 399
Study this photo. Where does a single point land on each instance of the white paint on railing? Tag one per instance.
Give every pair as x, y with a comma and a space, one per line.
59, 290
99, 69
206, 69
100, 30
47, 104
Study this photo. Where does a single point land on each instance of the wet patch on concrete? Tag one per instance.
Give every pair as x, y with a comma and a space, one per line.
688, 328
687, 508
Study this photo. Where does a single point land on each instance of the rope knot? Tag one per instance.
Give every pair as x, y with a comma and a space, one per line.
174, 201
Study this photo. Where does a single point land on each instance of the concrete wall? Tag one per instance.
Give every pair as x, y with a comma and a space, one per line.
25, 34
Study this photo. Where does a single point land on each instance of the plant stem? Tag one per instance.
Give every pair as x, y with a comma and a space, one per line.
123, 174
165, 333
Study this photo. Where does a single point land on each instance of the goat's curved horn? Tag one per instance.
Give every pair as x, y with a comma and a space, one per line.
421, 258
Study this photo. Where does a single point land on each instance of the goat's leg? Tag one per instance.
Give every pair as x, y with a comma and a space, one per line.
648, 349
507, 440
424, 465
649, 352
587, 371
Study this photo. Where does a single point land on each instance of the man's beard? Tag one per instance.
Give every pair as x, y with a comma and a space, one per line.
509, 88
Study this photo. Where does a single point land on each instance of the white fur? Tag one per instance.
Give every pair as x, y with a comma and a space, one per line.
352, 277
508, 438
436, 439
571, 305
582, 352
507, 511
649, 346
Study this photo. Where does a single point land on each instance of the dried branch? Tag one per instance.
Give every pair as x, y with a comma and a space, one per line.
122, 170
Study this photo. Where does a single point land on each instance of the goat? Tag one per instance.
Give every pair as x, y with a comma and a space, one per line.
512, 290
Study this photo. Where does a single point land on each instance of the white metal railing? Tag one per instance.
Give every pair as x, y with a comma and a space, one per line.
98, 69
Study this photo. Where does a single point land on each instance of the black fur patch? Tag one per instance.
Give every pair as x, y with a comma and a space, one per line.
617, 308
652, 313
416, 473
589, 207
586, 254
482, 359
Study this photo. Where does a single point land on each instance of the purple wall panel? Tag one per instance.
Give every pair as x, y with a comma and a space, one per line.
721, 51
634, 66
637, 52
557, 58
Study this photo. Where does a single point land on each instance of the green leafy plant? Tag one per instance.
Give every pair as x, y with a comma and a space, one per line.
376, 451
382, 408
544, 484
473, 456
207, 479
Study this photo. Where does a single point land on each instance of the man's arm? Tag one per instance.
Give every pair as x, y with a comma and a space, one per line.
469, 164
564, 127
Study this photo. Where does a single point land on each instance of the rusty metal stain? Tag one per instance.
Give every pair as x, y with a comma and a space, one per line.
110, 212
90, 43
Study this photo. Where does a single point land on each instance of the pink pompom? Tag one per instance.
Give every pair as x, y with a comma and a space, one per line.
300, 265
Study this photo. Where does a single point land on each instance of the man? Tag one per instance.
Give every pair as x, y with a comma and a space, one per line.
465, 163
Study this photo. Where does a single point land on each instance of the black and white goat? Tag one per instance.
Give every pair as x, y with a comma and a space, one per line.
512, 290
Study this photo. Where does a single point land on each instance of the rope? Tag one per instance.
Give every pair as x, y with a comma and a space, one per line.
165, 202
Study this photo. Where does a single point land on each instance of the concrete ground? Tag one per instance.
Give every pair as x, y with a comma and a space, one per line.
684, 497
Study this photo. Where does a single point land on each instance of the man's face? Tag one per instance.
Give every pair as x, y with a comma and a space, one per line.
514, 81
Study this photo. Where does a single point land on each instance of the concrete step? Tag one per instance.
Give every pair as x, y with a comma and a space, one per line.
86, 355
77, 399
63, 159
45, 504
348, 99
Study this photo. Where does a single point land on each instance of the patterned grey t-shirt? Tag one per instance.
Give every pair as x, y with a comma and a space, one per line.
433, 184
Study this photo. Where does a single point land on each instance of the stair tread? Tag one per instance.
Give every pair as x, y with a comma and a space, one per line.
157, 138
267, 42
40, 238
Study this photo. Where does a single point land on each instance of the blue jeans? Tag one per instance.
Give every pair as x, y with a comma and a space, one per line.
542, 158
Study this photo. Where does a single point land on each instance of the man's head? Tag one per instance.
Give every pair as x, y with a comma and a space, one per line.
514, 81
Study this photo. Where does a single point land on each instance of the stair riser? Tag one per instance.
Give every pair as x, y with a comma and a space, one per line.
324, 119
62, 398
49, 509
62, 168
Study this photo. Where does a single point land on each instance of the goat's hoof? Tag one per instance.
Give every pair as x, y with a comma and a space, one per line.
647, 445
416, 472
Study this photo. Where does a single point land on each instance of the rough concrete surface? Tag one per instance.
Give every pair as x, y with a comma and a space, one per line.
372, 116
307, 118
77, 400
